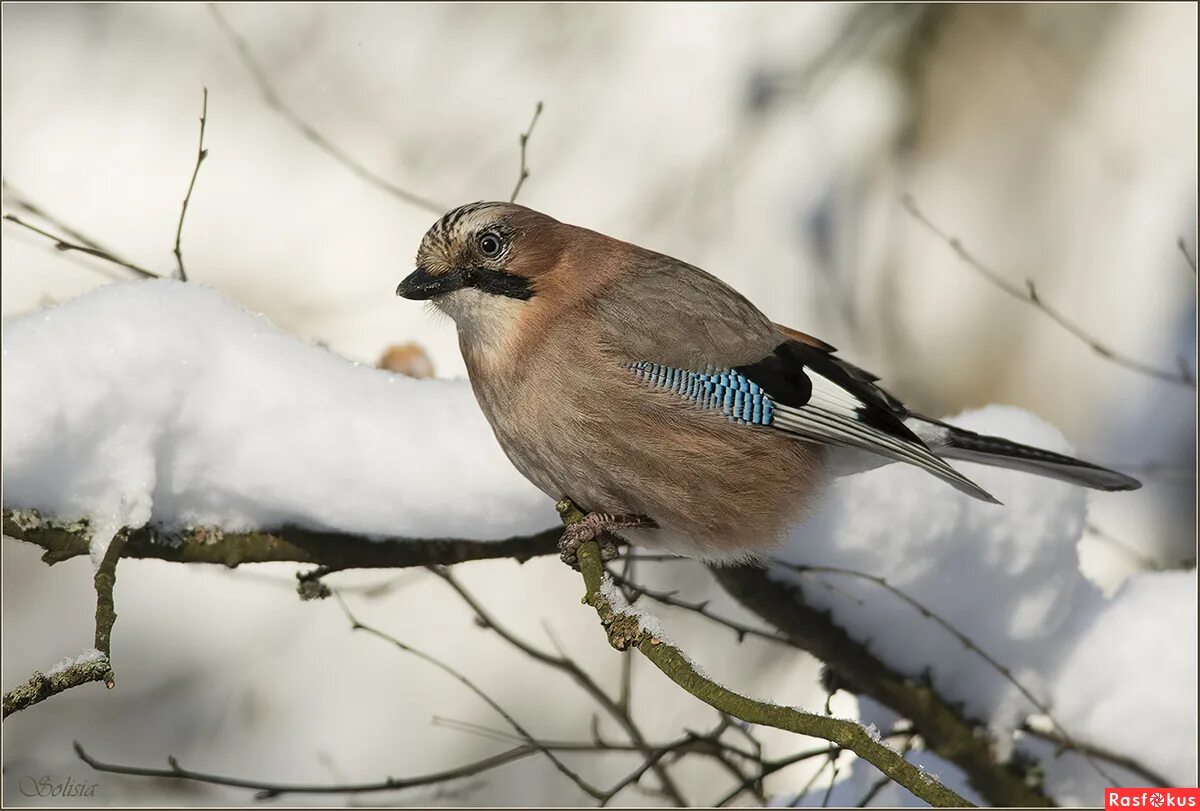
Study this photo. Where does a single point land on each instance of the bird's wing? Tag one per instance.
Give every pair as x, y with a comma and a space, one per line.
665, 311
678, 327
807, 391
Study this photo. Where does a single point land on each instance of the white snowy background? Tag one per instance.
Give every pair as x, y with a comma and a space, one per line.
1057, 143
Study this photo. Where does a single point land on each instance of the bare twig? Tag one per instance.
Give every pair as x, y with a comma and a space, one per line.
105, 581
1062, 744
523, 175
201, 154
812, 780
356, 625
568, 666
41, 686
62, 244
273, 101
625, 691
267, 790
668, 598
769, 768
1187, 257
20, 201
1029, 295
1143, 560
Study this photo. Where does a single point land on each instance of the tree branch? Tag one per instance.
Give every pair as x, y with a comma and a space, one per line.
1187, 257
1029, 295
523, 175
62, 244
625, 630
42, 686
578, 674
201, 154
355, 625
273, 101
335, 550
23, 203
97, 667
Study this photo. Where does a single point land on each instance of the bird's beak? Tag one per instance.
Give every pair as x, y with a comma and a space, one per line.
421, 284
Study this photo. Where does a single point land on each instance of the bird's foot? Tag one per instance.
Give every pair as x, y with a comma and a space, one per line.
596, 527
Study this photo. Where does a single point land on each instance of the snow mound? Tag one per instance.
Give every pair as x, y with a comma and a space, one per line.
161, 401
1115, 673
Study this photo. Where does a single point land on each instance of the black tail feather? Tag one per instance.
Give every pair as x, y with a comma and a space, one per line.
969, 446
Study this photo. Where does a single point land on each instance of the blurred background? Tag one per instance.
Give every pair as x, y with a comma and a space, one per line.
786, 148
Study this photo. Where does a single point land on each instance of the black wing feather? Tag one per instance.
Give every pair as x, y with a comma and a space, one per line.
821, 397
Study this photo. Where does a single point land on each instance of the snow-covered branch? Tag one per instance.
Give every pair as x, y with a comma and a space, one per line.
63, 540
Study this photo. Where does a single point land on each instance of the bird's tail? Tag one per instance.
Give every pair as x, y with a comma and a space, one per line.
968, 446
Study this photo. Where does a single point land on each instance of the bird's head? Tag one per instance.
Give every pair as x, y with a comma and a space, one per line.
484, 264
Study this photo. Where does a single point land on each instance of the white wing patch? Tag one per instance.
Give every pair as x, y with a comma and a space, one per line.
833, 416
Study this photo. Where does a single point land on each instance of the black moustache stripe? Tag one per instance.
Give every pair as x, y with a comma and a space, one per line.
498, 283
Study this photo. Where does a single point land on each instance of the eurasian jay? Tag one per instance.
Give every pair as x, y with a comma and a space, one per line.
660, 400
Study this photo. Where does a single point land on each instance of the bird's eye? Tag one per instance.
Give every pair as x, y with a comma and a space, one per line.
490, 245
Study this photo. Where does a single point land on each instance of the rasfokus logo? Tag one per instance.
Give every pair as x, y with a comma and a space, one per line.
1151, 798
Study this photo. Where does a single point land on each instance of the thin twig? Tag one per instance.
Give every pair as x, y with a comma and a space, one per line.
1143, 560
668, 598
356, 625
1062, 744
21, 201
625, 691
272, 99
41, 686
833, 758
1187, 257
569, 667
524, 172
1029, 295
105, 581
813, 779
769, 768
201, 154
62, 244
267, 790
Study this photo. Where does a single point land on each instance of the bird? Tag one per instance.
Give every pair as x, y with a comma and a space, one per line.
661, 401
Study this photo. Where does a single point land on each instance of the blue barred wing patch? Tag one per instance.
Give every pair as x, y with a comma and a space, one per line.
726, 390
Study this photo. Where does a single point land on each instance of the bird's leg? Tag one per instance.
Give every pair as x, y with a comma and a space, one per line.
596, 526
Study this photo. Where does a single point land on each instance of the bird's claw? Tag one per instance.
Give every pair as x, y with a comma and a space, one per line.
576, 535
596, 527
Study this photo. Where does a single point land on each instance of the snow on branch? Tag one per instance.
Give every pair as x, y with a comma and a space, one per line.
334, 551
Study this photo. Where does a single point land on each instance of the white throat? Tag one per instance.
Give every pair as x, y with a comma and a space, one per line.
486, 322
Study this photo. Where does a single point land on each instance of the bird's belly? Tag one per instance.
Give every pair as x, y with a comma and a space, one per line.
717, 489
